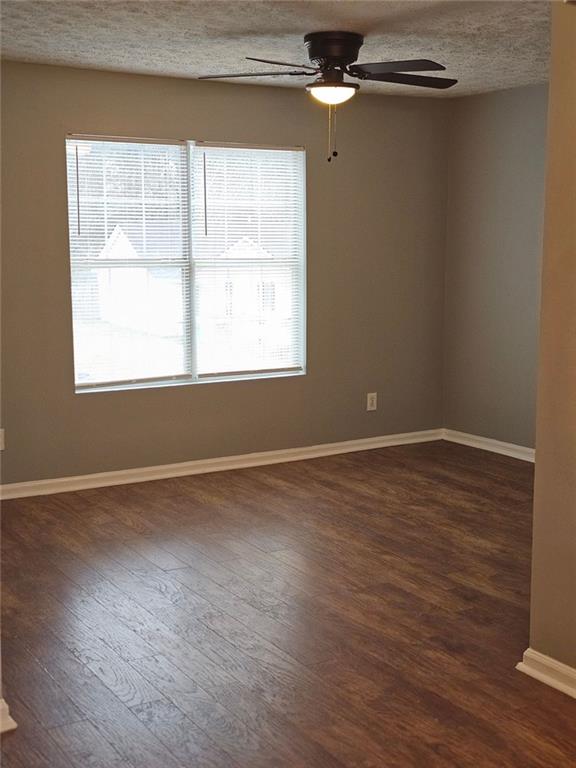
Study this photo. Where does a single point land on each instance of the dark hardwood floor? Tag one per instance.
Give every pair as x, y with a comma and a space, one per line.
358, 611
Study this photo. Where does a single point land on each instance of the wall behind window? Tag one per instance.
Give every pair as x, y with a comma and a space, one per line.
376, 238
494, 245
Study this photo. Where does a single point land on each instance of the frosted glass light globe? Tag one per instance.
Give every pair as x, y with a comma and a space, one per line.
332, 94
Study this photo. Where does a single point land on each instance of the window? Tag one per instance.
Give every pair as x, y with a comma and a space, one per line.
187, 262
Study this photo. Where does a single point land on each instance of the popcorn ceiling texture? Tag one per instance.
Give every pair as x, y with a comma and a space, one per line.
485, 45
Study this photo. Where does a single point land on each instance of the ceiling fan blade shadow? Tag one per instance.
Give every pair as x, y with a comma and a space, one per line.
255, 74
384, 67
420, 80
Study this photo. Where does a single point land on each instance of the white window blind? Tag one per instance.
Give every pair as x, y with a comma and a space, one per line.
248, 254
187, 261
130, 260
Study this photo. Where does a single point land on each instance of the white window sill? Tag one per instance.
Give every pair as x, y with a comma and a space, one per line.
179, 382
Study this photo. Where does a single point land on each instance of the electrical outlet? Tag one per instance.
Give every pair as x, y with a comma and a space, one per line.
372, 401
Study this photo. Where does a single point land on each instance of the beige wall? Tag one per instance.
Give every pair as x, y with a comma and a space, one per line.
553, 617
494, 243
376, 221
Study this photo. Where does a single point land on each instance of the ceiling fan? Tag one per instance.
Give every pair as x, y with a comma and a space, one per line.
332, 55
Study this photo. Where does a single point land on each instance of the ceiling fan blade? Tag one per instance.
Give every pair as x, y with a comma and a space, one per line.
256, 74
282, 63
422, 81
383, 67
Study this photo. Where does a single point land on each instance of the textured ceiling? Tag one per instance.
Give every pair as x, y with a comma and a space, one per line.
485, 45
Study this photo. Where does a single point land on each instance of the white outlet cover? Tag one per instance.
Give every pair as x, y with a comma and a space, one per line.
371, 401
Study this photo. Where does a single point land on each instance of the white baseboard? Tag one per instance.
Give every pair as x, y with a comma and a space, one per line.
201, 466
487, 444
6, 722
549, 671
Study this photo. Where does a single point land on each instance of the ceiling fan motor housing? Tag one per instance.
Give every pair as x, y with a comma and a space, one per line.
333, 49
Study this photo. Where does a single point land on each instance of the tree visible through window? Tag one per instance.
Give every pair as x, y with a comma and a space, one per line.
187, 261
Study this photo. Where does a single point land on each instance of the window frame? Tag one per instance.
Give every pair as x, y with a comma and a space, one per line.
193, 377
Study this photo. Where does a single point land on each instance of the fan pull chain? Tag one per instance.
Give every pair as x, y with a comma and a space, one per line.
331, 132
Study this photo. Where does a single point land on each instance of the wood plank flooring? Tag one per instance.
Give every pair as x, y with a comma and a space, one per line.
357, 611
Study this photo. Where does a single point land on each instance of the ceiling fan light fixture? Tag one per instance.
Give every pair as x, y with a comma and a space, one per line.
332, 93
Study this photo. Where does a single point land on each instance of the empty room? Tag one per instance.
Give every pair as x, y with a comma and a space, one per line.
288, 413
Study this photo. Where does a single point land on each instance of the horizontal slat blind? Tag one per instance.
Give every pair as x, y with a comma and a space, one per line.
130, 260
248, 254
187, 261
